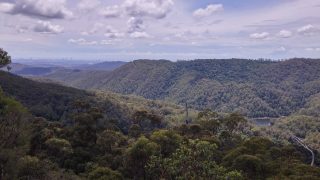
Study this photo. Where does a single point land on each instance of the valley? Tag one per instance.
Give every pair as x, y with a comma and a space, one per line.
131, 121
159, 90
252, 88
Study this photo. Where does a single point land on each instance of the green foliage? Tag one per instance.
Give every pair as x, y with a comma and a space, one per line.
168, 141
102, 173
58, 103
251, 165
110, 141
251, 87
135, 130
147, 121
209, 120
192, 160
139, 154
58, 147
5, 59
30, 168
92, 140
14, 135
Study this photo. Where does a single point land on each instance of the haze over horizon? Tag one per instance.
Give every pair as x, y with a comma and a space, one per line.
159, 29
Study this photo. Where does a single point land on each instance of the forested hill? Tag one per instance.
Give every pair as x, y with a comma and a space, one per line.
255, 88
59, 103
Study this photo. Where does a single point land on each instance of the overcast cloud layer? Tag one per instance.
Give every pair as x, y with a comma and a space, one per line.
160, 29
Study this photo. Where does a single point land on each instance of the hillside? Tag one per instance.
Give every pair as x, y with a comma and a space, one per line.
55, 102
252, 87
48, 131
304, 123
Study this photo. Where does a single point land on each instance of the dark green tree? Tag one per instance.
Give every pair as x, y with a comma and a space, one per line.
5, 59
192, 160
103, 173
168, 141
138, 155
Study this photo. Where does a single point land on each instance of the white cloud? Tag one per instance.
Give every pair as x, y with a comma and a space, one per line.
26, 40
111, 11
47, 28
282, 49
97, 28
308, 30
88, 5
84, 33
22, 29
106, 42
208, 11
136, 28
139, 35
263, 35
151, 8
82, 41
108, 31
6, 7
312, 49
112, 33
285, 34
55, 9
135, 24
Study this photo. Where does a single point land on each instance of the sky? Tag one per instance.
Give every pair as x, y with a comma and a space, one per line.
125, 30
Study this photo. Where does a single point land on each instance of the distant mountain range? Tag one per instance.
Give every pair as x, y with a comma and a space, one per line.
251, 87
103, 66
45, 68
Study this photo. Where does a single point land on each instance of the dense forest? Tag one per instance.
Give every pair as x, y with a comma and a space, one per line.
254, 88
48, 131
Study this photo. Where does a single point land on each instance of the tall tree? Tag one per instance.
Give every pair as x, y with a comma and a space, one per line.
5, 59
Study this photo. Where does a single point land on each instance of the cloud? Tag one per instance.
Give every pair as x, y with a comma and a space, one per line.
22, 29
263, 35
108, 31
312, 49
96, 27
150, 8
84, 33
139, 35
6, 7
88, 5
47, 28
51, 9
111, 11
282, 49
136, 28
106, 42
112, 33
135, 24
285, 34
82, 41
27, 40
308, 30
208, 11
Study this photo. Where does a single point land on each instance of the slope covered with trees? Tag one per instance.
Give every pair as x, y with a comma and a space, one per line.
304, 124
56, 132
212, 147
58, 103
255, 88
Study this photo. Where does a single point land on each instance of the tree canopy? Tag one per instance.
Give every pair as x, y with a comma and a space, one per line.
5, 59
